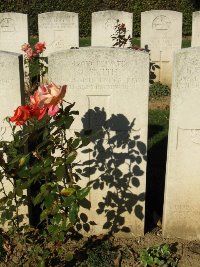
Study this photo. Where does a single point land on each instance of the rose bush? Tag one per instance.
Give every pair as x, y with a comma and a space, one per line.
35, 66
28, 160
43, 180
31, 53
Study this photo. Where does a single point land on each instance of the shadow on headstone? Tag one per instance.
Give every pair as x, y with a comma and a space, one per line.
114, 167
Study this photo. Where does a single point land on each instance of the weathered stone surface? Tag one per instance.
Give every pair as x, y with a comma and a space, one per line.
13, 31
103, 23
195, 29
11, 93
182, 200
161, 30
59, 30
110, 88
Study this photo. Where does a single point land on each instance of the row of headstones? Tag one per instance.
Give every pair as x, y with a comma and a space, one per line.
161, 30
110, 86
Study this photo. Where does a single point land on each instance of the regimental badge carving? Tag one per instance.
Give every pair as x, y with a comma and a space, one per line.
7, 25
161, 23
58, 40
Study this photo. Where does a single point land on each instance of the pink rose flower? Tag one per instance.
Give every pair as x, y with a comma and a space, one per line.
29, 53
45, 100
50, 96
25, 46
35, 110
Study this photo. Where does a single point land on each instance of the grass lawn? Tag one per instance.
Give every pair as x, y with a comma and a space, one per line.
86, 41
158, 126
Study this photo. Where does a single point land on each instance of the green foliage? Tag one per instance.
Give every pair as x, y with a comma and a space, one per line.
2, 249
120, 39
158, 256
152, 68
186, 43
157, 90
158, 119
31, 161
33, 248
100, 256
39, 163
85, 9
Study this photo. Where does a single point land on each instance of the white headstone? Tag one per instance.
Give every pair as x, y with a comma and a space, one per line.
182, 186
161, 30
59, 30
13, 31
110, 88
195, 29
11, 93
11, 83
103, 23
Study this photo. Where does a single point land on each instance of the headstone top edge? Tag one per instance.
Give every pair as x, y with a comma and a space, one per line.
10, 53
100, 49
111, 10
15, 13
161, 11
57, 12
187, 50
195, 14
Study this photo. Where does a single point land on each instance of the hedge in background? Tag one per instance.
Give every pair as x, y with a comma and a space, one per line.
86, 7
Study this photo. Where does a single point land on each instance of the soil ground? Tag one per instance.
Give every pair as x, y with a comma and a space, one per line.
163, 103
187, 251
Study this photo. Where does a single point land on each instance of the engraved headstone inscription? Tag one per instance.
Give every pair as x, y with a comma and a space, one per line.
13, 31
110, 88
59, 30
103, 23
182, 199
161, 31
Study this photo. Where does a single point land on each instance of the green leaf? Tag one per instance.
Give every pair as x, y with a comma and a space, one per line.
71, 157
49, 199
69, 200
23, 172
60, 171
36, 169
44, 214
48, 162
19, 192
85, 141
45, 133
57, 218
67, 191
3, 200
73, 212
75, 143
82, 193
69, 256
41, 264
16, 159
